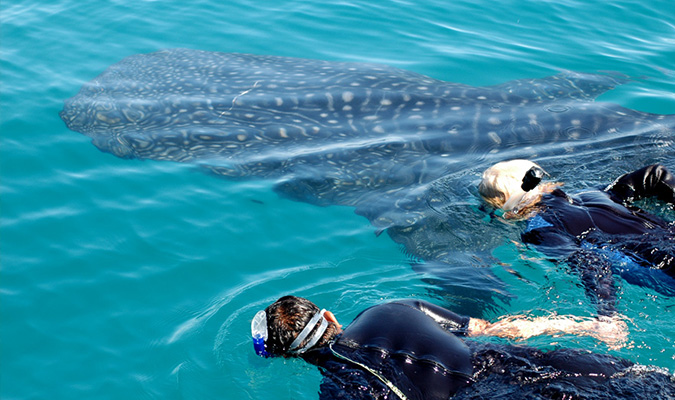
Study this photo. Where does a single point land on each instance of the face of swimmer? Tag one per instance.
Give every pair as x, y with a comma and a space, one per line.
508, 184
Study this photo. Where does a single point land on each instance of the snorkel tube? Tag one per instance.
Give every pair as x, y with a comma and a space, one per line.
532, 178
259, 333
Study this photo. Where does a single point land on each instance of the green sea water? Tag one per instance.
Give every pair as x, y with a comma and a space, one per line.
128, 279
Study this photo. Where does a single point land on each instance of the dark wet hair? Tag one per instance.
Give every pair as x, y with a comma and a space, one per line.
286, 318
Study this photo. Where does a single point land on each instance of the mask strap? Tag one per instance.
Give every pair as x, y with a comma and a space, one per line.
305, 332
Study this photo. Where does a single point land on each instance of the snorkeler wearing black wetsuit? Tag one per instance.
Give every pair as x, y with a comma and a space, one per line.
412, 349
597, 232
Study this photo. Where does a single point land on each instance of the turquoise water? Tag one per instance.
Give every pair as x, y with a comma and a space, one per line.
138, 279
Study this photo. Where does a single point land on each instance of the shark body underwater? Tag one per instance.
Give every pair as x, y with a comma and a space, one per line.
402, 148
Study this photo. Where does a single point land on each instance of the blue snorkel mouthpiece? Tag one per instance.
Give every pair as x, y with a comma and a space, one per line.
259, 333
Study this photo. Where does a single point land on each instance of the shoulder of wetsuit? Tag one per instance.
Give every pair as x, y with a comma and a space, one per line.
556, 199
558, 192
447, 319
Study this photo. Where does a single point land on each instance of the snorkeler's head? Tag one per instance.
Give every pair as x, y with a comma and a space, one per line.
507, 184
294, 326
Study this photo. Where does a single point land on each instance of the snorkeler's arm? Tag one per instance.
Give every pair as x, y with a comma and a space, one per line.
612, 331
650, 181
596, 274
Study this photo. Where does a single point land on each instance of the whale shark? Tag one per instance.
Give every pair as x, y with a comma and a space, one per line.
402, 148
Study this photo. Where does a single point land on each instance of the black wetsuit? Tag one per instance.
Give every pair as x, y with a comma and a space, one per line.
412, 349
598, 232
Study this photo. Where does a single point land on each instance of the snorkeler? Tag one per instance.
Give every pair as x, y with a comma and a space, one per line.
597, 232
412, 349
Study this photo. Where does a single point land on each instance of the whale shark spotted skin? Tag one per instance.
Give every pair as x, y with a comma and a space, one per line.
378, 138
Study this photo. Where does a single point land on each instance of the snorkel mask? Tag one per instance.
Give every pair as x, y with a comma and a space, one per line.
259, 334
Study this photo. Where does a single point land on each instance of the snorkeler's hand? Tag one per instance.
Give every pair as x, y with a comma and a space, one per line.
611, 330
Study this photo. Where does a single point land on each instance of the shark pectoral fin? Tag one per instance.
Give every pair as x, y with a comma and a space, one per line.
566, 85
